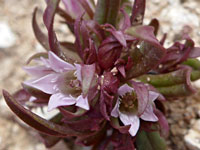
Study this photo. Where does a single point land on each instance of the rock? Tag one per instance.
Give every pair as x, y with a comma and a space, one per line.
196, 126
7, 38
4, 110
192, 139
14, 137
179, 16
196, 83
60, 146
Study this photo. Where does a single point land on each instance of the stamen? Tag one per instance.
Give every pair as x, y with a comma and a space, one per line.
114, 71
128, 102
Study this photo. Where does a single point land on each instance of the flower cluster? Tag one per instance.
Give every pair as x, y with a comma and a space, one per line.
110, 84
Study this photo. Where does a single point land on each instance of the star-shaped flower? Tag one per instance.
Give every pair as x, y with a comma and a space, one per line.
127, 107
60, 79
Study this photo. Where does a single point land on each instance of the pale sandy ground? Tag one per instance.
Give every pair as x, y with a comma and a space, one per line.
173, 14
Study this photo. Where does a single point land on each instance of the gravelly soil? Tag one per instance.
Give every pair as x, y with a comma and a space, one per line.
173, 14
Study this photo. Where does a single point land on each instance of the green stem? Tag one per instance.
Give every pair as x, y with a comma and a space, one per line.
195, 75
101, 11
113, 11
150, 141
107, 11
175, 90
163, 79
169, 79
124, 1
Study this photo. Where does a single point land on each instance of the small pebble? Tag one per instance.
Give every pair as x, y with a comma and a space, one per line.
7, 38
192, 140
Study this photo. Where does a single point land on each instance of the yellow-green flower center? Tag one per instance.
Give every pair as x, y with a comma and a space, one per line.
129, 102
70, 84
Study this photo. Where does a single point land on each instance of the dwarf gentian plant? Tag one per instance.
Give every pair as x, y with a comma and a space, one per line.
110, 84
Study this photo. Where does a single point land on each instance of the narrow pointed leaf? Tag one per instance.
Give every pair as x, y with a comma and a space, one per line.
155, 23
69, 20
138, 12
40, 36
70, 56
37, 56
70, 115
68, 45
126, 20
73, 8
48, 18
82, 36
86, 4
40, 124
49, 141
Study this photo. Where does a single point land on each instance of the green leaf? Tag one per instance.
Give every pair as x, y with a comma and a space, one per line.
179, 90
192, 62
150, 141
166, 79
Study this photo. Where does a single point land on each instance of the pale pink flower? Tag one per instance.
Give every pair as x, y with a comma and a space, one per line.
126, 108
61, 80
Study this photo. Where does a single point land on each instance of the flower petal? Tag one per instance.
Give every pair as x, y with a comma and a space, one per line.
134, 126
125, 89
32, 99
45, 62
46, 84
60, 99
82, 102
78, 72
153, 96
58, 64
38, 71
89, 78
148, 114
142, 93
133, 120
115, 111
